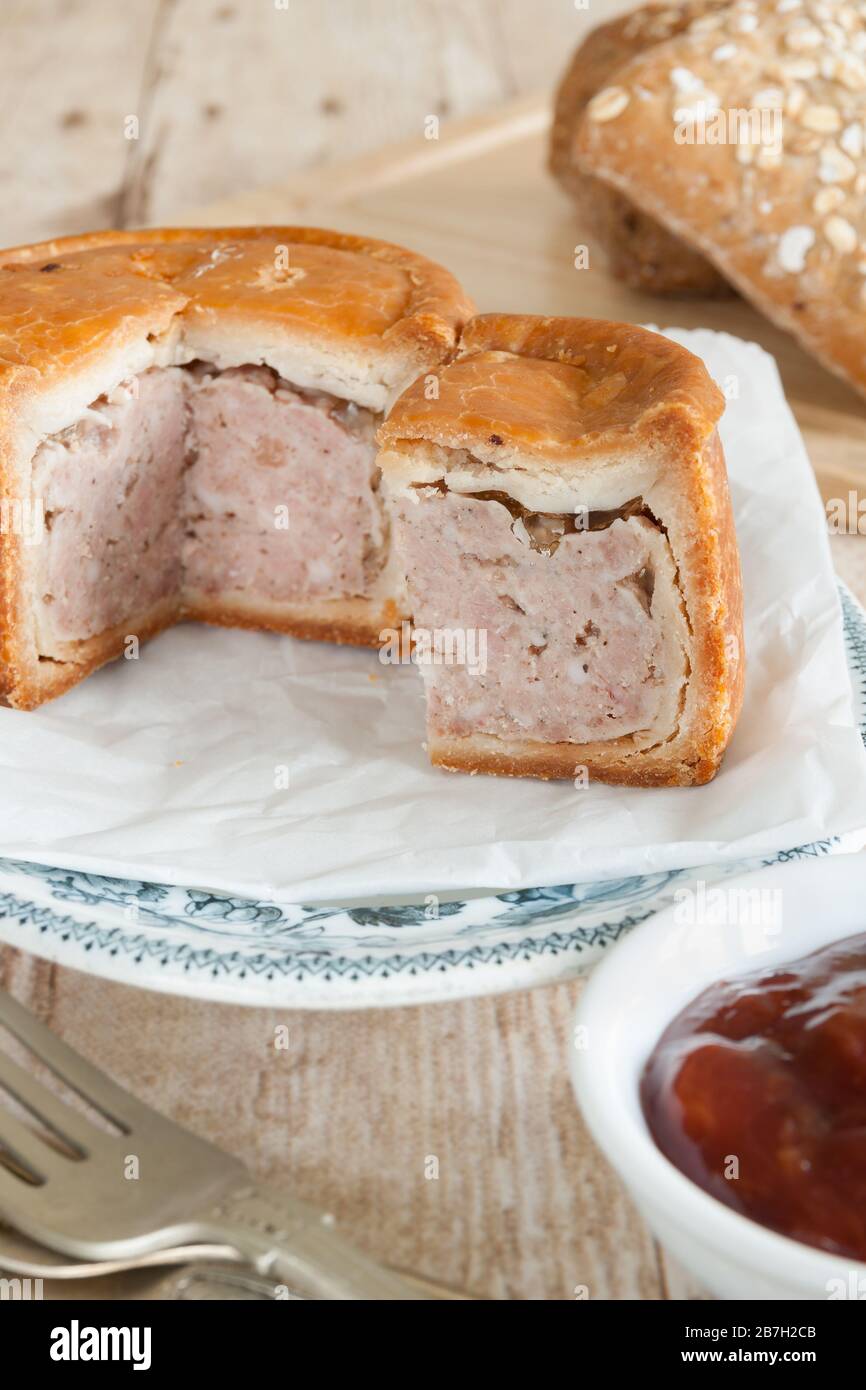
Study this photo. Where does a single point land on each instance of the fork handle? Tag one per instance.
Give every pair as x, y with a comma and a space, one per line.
293, 1243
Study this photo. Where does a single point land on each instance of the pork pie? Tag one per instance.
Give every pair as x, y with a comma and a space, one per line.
187, 429
560, 504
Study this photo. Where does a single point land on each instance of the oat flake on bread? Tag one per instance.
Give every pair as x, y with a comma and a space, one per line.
780, 213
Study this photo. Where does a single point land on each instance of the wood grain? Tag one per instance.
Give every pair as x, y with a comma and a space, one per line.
230, 94
349, 1115
68, 80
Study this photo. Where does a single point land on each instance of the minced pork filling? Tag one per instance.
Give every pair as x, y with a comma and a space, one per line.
582, 631
193, 480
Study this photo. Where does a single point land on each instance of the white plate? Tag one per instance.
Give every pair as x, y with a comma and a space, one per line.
209, 945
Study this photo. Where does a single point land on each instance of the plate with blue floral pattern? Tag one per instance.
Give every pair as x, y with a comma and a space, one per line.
209, 945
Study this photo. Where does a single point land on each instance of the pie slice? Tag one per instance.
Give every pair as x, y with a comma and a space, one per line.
187, 421
560, 511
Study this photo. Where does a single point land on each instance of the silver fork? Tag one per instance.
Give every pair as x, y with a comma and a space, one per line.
99, 1196
21, 1255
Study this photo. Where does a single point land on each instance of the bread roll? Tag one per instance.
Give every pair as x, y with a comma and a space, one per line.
639, 249
745, 136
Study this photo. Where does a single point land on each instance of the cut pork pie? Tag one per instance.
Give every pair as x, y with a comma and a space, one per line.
187, 430
560, 509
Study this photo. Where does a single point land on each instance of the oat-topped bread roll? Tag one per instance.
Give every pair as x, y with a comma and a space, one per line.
193, 414
639, 249
562, 505
745, 136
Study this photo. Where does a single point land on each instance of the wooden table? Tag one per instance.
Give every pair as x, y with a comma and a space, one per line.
113, 115
523, 1207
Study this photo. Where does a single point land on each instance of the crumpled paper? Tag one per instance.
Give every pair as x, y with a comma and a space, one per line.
173, 768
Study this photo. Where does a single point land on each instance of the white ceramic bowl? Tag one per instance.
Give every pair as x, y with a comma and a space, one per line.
631, 998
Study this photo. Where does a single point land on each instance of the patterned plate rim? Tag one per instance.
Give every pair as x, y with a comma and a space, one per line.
529, 953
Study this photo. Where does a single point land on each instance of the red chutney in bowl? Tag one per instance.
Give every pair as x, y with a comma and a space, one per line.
757, 1092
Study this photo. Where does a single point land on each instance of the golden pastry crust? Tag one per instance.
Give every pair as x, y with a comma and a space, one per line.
557, 389
348, 622
303, 284
550, 403
781, 211
362, 317
639, 249
25, 687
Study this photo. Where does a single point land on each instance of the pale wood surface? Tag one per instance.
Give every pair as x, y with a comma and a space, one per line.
232, 94
523, 1206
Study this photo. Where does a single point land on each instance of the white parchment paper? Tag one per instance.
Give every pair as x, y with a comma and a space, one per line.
169, 768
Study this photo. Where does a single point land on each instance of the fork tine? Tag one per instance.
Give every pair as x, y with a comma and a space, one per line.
22, 1204
29, 1150
80, 1075
59, 1117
